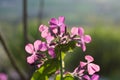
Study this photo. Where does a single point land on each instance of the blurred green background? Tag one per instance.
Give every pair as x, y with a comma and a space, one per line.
100, 18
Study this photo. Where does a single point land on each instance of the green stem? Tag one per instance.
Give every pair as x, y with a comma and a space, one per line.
61, 67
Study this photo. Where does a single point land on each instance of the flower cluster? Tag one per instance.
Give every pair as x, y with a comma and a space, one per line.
56, 34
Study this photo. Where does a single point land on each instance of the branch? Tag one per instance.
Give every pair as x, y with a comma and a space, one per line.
11, 58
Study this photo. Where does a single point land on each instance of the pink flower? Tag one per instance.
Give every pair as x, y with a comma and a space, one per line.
82, 39
57, 25
33, 50
91, 67
94, 77
3, 76
55, 22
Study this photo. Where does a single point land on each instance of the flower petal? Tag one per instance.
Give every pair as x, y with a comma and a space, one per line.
74, 31
61, 20
42, 28
31, 59
44, 33
91, 71
75, 70
89, 58
86, 77
95, 77
63, 29
83, 46
49, 38
51, 52
92, 68
53, 21
81, 72
37, 45
80, 31
87, 38
43, 47
95, 67
82, 64
29, 48
40, 64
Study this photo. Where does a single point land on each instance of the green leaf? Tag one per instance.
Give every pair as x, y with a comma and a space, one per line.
46, 70
51, 66
39, 76
57, 77
69, 78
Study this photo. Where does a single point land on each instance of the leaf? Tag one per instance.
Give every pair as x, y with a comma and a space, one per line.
46, 70
38, 76
57, 77
51, 66
69, 78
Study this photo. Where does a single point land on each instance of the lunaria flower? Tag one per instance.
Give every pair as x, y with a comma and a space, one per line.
77, 33
57, 26
34, 51
91, 67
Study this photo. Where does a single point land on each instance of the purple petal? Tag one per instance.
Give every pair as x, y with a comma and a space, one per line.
62, 29
81, 72
82, 64
92, 68
37, 45
74, 31
45, 33
55, 31
29, 48
89, 58
51, 52
95, 67
53, 27
75, 70
44, 47
83, 46
31, 59
87, 38
53, 21
49, 38
42, 28
61, 20
41, 63
80, 31
91, 71
86, 77
95, 77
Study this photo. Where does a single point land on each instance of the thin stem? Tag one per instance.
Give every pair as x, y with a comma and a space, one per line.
25, 22
61, 67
